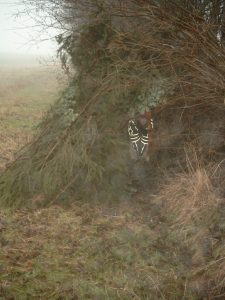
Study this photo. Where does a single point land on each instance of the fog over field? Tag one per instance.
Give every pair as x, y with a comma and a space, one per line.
18, 60
21, 34
30, 77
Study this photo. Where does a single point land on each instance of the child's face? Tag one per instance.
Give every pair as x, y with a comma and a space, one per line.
143, 121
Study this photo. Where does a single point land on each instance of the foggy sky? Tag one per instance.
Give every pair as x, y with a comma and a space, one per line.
20, 35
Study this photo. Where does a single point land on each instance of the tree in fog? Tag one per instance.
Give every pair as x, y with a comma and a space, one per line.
128, 57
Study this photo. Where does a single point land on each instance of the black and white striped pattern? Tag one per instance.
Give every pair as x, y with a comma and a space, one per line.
139, 137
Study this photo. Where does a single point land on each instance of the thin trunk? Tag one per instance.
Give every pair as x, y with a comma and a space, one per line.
223, 25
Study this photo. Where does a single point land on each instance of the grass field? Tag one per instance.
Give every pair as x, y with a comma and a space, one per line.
168, 246
81, 253
55, 253
25, 95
